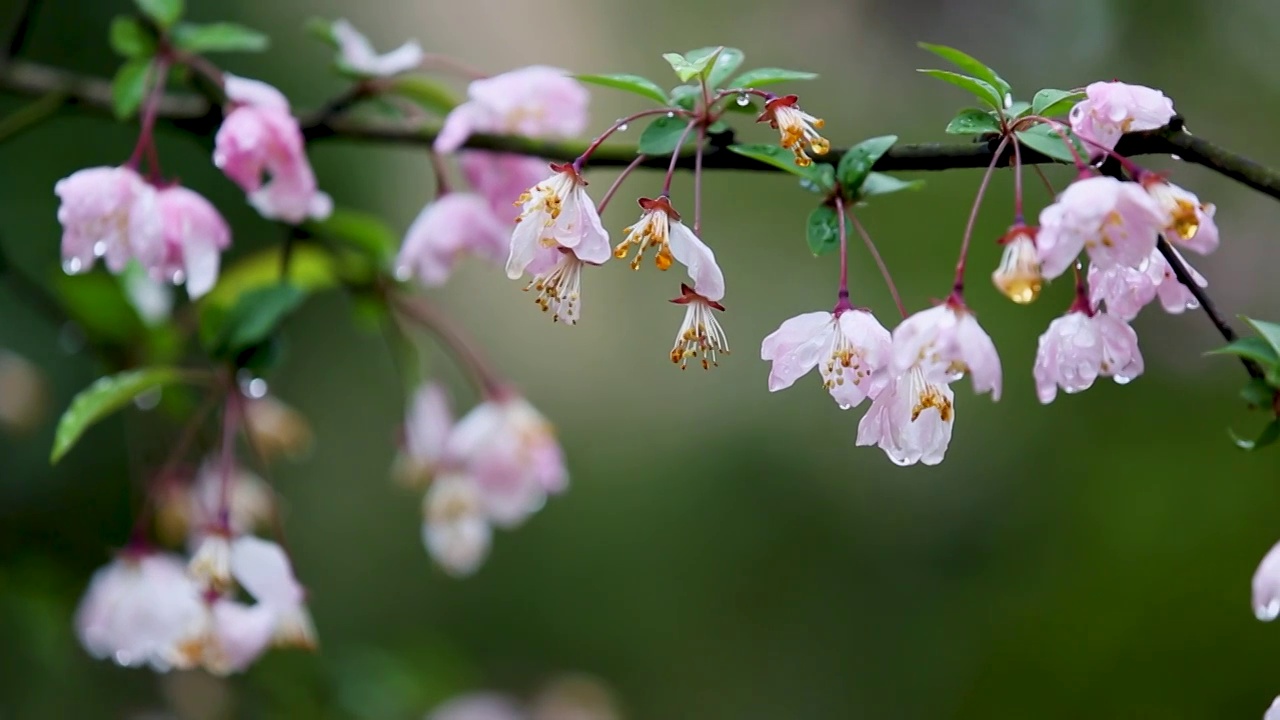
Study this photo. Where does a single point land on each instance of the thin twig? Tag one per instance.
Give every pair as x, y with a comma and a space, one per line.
1184, 276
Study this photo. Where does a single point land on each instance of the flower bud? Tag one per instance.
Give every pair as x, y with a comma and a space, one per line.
1018, 275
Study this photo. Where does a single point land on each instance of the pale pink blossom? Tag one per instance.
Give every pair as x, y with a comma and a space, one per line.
194, 237
700, 337
910, 419
1018, 275
1111, 109
1273, 712
427, 425
851, 351
1078, 348
1266, 586
1116, 222
109, 213
251, 503
509, 450
136, 608
258, 137
501, 178
947, 342
535, 101
557, 212
798, 129
478, 706
1127, 290
1188, 223
455, 526
659, 228
455, 225
359, 55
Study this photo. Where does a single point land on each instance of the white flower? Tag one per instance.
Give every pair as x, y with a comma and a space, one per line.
700, 333
557, 212
850, 351
947, 342
911, 419
1078, 348
454, 528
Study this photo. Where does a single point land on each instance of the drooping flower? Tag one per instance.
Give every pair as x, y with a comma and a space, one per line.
136, 608
426, 429
557, 212
1111, 109
1079, 347
1116, 222
455, 225
1127, 290
109, 213
250, 501
910, 419
455, 529
851, 351
260, 136
947, 342
501, 178
358, 53
700, 333
194, 237
798, 128
1018, 275
1188, 223
535, 101
1266, 586
659, 227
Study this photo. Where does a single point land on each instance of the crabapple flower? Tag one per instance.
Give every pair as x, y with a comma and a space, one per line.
535, 101
1079, 347
700, 333
358, 53
1188, 223
455, 530
1127, 290
1266, 586
910, 419
109, 213
798, 128
456, 224
1116, 222
194, 237
1018, 275
509, 450
136, 608
260, 136
1111, 109
947, 342
251, 503
426, 428
850, 350
557, 212
659, 227
1273, 712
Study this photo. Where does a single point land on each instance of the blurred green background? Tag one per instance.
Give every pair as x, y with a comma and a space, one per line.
722, 552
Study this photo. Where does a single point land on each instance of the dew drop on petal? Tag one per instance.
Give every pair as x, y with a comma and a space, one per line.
403, 273
71, 266
257, 388
1268, 612
1122, 379
122, 658
147, 401
743, 100
178, 277
100, 248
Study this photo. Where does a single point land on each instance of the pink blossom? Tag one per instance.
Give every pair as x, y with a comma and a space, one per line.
510, 451
1188, 223
1273, 712
558, 212
456, 224
536, 101
1018, 275
427, 425
455, 529
260, 136
108, 212
1127, 290
501, 178
358, 53
1111, 109
910, 419
947, 342
1117, 222
850, 351
700, 332
1266, 586
194, 237
1078, 348
660, 228
136, 609
251, 503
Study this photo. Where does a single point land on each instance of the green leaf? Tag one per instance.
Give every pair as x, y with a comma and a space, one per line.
1047, 141
257, 314
426, 92
1250, 348
1268, 331
363, 231
769, 76
822, 180
1269, 435
631, 83
662, 135
163, 12
1018, 109
1048, 102
1257, 393
688, 68
726, 64
104, 397
783, 159
978, 88
858, 160
219, 37
973, 66
685, 96
129, 86
882, 184
973, 121
130, 39
823, 230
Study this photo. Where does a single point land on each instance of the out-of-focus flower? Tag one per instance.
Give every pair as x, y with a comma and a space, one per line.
276, 429
700, 333
194, 237
1079, 347
911, 419
1111, 109
947, 342
1127, 290
455, 225
501, 178
1018, 275
24, 394
455, 529
426, 430
192, 510
557, 212
358, 53
1266, 586
258, 137
109, 213
1188, 223
850, 349
478, 706
535, 101
798, 128
1116, 222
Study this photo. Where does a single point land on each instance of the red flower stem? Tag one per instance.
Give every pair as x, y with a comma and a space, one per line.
884, 269
842, 292
458, 344
582, 159
675, 158
617, 182
1017, 181
157, 74
958, 287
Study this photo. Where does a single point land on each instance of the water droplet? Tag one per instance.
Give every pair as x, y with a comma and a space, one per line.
1122, 379
71, 266
122, 658
743, 100
622, 127
178, 277
1175, 157
148, 400
257, 388
100, 248
1008, 100
70, 339
403, 273
1268, 612
670, 114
